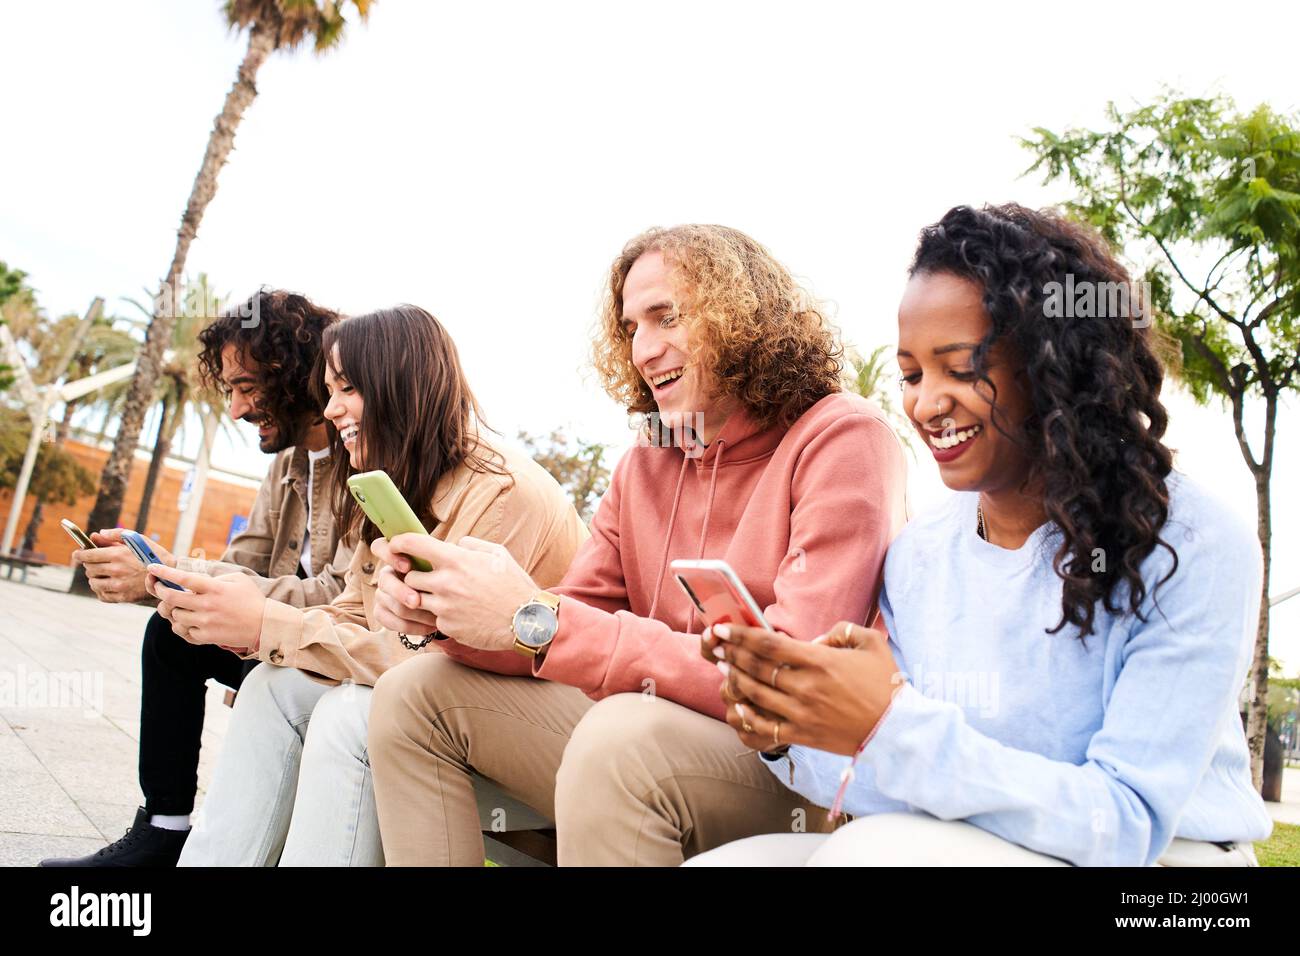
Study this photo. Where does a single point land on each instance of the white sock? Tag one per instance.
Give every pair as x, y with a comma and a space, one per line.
177, 822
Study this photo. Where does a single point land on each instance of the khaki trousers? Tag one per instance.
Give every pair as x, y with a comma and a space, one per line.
633, 780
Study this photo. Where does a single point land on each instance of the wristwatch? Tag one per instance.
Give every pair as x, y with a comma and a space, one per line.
535, 624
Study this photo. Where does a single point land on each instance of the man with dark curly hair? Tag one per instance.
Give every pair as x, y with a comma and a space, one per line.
261, 356
754, 456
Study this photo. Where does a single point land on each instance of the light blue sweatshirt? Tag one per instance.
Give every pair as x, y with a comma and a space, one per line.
1099, 753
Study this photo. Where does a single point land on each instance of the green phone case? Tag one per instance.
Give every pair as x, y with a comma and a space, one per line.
385, 506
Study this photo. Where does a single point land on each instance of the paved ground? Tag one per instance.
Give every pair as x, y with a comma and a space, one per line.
70, 720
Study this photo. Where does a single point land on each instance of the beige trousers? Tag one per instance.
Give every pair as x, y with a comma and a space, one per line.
916, 839
633, 780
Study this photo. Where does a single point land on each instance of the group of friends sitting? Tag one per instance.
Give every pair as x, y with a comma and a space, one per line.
1043, 670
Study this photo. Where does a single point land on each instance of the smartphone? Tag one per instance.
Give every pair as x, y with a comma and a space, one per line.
77, 535
718, 593
385, 506
139, 546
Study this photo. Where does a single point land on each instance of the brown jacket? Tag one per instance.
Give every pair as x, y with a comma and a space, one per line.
270, 547
531, 515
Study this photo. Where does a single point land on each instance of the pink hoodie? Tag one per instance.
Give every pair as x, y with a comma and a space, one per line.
804, 517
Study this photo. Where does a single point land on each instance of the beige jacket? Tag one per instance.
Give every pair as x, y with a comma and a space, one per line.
271, 546
532, 516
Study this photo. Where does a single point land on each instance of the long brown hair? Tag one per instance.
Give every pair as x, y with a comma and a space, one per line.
420, 420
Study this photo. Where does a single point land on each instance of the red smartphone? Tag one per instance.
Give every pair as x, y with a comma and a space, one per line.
718, 593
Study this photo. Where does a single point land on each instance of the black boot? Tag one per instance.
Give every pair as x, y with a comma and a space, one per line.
142, 845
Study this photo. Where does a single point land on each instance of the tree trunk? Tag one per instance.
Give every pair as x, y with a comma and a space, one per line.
161, 447
1257, 710
117, 470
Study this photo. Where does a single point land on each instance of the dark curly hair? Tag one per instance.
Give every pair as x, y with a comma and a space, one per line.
280, 332
1093, 432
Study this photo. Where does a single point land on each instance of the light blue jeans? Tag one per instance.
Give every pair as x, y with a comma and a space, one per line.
292, 784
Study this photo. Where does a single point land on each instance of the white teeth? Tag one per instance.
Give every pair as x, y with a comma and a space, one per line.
349, 433
666, 377
951, 440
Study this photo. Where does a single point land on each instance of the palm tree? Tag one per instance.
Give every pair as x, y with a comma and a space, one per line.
272, 25
176, 391
104, 347
874, 378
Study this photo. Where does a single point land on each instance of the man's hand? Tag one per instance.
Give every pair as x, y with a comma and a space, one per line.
113, 571
471, 594
225, 610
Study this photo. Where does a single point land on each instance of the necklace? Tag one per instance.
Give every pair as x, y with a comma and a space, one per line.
979, 522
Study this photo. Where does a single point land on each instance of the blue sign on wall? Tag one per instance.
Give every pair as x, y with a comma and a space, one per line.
237, 524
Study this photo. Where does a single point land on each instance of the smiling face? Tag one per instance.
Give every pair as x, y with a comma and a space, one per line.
244, 389
661, 348
940, 321
343, 410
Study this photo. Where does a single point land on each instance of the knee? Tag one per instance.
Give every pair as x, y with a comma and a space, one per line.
614, 744
403, 703
338, 724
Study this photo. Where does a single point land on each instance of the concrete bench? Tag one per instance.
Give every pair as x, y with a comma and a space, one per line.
22, 562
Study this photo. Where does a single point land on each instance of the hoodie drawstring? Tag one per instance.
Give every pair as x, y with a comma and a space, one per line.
672, 519
704, 532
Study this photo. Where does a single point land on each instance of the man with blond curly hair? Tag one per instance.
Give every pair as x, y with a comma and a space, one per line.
767, 465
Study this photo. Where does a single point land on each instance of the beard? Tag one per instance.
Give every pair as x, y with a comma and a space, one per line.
281, 434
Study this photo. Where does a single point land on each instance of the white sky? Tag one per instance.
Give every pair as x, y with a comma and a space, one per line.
488, 160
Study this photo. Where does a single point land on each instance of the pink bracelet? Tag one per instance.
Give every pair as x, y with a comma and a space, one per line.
847, 775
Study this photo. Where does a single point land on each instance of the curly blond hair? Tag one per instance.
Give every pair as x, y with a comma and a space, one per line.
760, 336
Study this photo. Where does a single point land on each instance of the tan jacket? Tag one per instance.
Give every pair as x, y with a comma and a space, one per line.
532, 516
270, 547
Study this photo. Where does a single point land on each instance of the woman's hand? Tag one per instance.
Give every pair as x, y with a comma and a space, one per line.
224, 610
471, 594
828, 694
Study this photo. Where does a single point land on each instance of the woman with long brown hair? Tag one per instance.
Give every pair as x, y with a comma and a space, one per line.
293, 782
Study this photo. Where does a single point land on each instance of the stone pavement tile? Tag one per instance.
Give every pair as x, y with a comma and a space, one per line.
35, 803
110, 819
97, 779
15, 756
26, 849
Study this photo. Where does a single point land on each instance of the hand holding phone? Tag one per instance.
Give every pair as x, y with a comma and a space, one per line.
718, 593
139, 546
385, 506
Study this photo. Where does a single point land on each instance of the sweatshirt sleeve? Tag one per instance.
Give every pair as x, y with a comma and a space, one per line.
289, 588
845, 492
1178, 682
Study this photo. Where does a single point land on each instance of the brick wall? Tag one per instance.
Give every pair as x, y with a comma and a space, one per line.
222, 500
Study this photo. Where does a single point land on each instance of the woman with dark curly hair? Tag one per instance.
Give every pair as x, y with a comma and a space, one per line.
753, 455
1065, 638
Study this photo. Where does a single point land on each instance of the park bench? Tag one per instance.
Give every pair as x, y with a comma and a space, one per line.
22, 562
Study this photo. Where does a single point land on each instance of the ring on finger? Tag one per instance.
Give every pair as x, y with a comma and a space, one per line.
776, 672
776, 735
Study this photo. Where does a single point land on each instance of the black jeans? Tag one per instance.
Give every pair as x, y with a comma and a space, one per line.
171, 713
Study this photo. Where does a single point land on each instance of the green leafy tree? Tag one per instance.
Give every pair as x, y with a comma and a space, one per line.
57, 477
1206, 200
272, 25
580, 470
